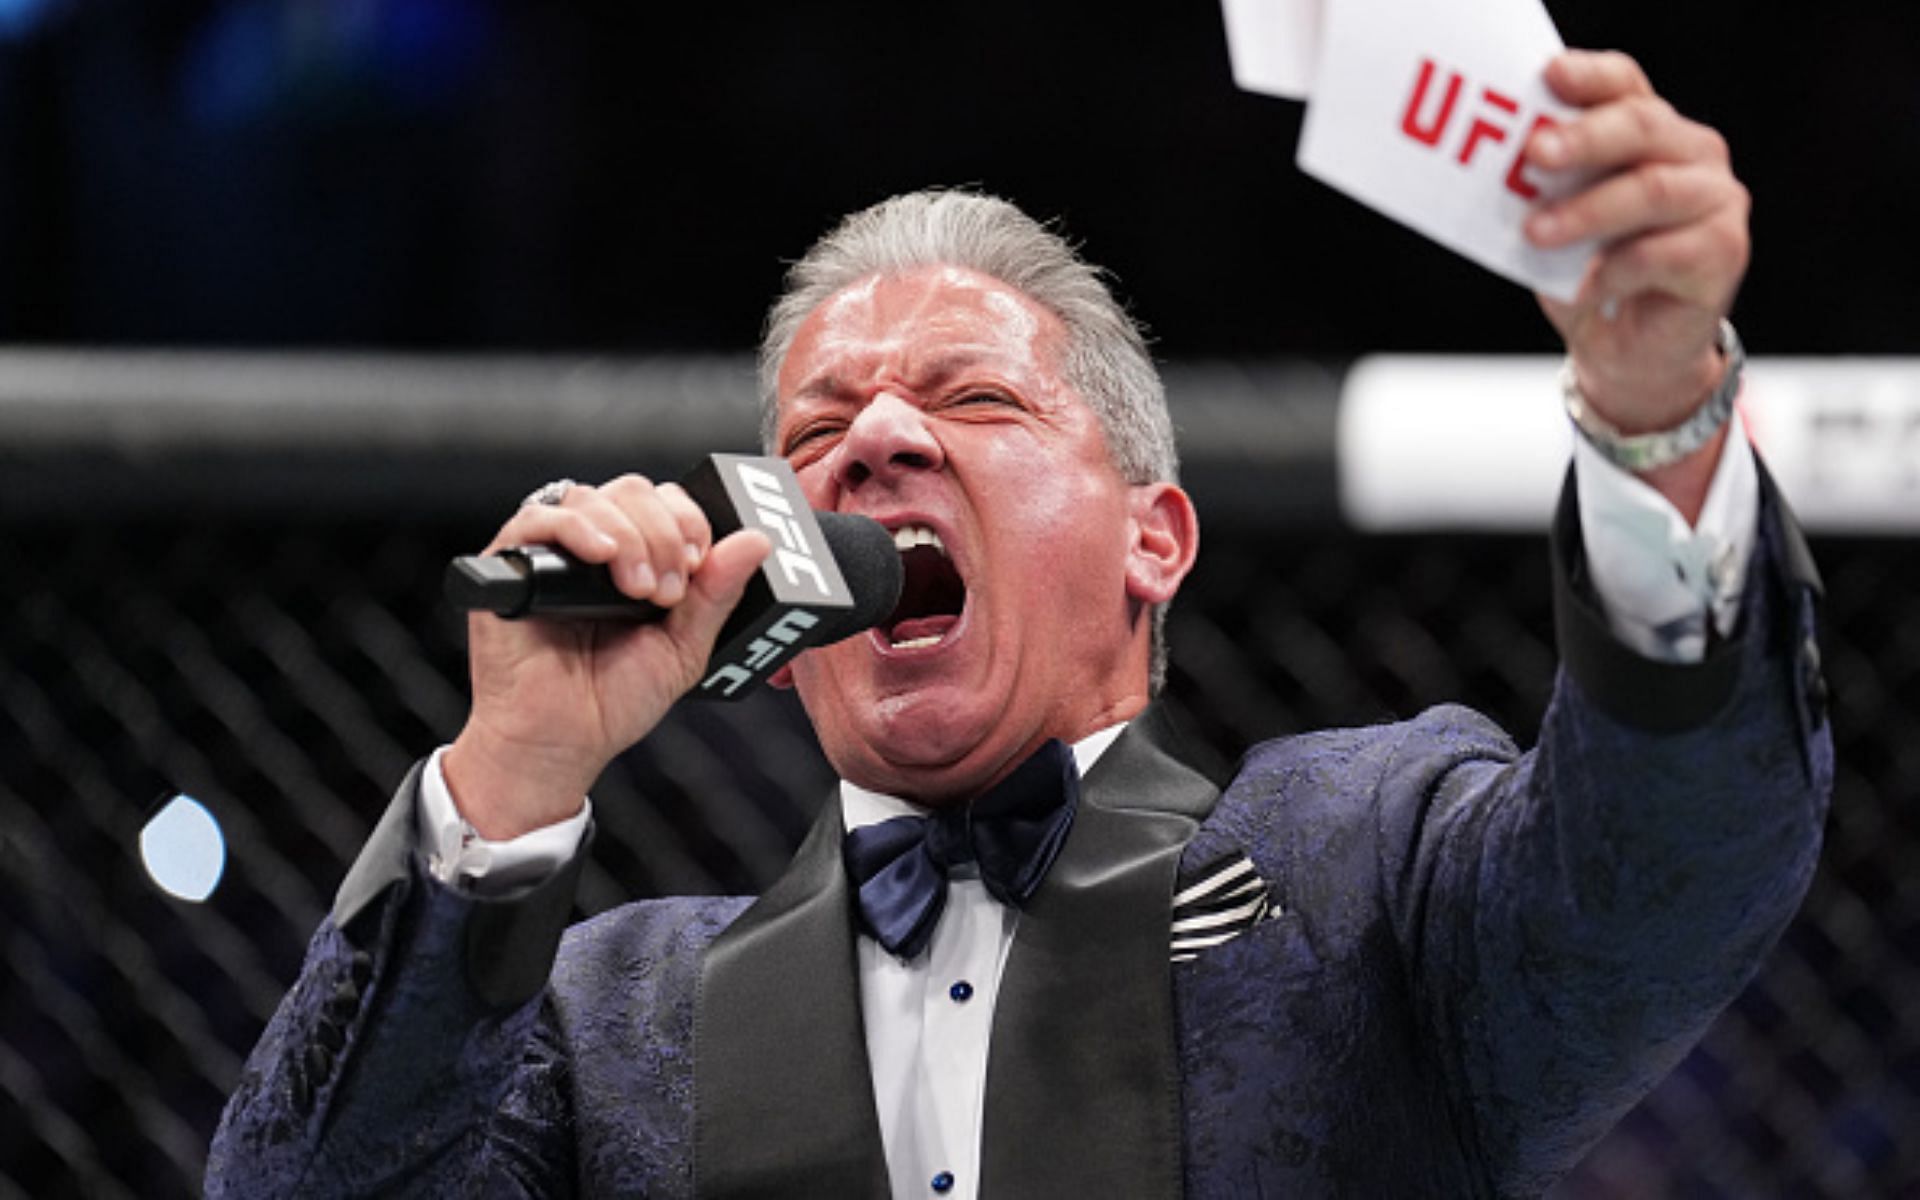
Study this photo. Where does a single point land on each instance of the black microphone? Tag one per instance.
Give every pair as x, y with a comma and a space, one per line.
830, 575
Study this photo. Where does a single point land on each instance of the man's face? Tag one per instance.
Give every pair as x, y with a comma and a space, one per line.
933, 402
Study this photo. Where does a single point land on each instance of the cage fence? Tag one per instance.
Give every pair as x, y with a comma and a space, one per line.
286, 664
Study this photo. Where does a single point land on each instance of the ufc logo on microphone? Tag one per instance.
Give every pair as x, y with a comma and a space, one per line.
761, 652
775, 515
1490, 118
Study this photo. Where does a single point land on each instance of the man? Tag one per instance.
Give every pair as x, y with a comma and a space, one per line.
1406, 960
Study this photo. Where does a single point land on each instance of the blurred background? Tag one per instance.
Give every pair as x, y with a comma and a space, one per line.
297, 297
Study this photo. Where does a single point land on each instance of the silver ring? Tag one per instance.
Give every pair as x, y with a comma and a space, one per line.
550, 494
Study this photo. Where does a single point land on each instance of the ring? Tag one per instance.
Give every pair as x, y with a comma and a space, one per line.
550, 494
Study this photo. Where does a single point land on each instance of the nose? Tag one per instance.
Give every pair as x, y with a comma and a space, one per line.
888, 437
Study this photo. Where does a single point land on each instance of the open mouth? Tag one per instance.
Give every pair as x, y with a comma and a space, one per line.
932, 594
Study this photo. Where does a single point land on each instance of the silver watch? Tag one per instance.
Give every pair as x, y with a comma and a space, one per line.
1645, 451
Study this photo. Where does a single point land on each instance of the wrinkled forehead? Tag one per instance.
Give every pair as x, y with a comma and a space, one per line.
941, 297
928, 320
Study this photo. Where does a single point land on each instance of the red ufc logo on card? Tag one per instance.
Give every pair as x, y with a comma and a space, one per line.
1429, 119
1423, 112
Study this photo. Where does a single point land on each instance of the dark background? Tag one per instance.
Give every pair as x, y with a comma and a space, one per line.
450, 174
453, 177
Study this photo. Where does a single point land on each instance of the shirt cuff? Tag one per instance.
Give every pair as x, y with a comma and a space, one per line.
457, 855
1660, 580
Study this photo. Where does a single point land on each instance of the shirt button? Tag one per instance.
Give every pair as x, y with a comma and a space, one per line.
961, 992
943, 1182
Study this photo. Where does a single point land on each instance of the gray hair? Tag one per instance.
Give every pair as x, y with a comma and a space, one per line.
1106, 359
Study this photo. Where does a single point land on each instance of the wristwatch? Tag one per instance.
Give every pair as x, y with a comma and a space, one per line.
1645, 451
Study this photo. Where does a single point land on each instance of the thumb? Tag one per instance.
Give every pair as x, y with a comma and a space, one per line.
716, 588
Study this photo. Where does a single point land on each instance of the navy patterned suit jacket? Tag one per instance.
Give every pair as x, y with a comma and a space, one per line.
1478, 959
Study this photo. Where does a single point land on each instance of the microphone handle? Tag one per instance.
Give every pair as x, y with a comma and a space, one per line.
543, 581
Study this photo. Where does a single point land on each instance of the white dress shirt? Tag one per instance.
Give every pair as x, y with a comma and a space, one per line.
1660, 581
928, 1017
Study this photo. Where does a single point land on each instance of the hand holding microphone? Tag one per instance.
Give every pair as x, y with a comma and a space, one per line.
830, 575
705, 586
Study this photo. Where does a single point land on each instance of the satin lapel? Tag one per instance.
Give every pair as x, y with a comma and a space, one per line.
783, 1095
1083, 1079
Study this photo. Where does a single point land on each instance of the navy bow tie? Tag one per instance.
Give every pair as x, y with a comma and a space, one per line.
1014, 832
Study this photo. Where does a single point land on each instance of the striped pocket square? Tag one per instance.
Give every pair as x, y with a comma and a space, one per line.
1227, 898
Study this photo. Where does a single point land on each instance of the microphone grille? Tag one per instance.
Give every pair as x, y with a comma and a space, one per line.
870, 564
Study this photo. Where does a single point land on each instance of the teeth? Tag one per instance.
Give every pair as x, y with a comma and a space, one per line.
908, 536
916, 643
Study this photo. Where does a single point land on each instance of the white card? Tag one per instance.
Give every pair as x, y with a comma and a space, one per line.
1421, 110
1274, 45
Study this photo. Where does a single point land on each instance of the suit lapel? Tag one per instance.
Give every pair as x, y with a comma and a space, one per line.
783, 1095
1083, 1080
1082, 1076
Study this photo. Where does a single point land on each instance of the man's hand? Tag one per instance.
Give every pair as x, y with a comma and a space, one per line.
1672, 222
555, 701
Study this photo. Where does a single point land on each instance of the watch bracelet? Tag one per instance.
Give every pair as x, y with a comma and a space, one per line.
1647, 451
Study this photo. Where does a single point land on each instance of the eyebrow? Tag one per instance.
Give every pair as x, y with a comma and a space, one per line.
930, 372
942, 367
828, 386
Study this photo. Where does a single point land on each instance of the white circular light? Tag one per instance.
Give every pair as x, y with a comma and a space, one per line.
183, 849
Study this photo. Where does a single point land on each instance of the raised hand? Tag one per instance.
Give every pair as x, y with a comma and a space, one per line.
1672, 221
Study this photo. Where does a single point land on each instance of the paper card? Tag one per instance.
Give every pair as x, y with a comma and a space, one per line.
1274, 45
1421, 110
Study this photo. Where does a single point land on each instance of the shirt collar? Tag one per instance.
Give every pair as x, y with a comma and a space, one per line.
860, 807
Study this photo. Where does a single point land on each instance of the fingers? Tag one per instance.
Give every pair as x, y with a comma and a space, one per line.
1625, 123
1665, 204
695, 534
1588, 77
1623, 132
555, 525
1699, 263
1651, 196
651, 538
717, 587
656, 556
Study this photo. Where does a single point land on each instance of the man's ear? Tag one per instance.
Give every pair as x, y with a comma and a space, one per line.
782, 678
1166, 537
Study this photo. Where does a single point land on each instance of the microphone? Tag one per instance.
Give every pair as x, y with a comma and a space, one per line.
830, 575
